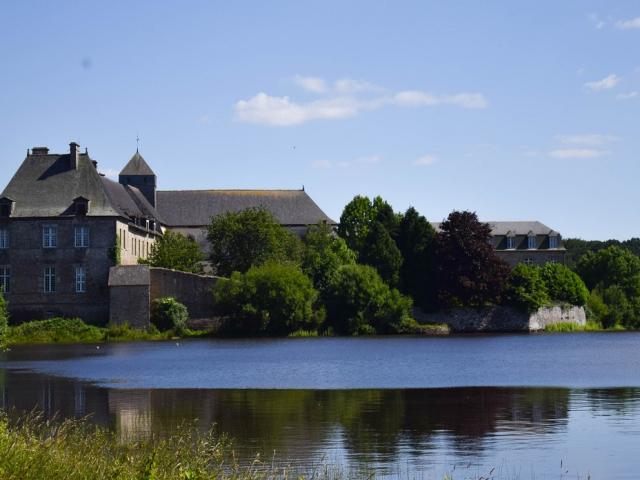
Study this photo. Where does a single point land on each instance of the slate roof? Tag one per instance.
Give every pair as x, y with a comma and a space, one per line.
137, 166
194, 208
46, 186
514, 228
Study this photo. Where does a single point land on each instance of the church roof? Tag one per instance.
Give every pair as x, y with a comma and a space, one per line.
137, 166
192, 208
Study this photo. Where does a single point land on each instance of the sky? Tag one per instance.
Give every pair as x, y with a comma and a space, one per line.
514, 110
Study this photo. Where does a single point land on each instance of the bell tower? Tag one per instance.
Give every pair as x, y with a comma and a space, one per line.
138, 173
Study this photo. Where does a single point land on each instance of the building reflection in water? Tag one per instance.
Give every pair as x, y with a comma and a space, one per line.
369, 425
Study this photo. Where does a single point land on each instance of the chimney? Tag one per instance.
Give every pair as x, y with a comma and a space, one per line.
73, 155
39, 151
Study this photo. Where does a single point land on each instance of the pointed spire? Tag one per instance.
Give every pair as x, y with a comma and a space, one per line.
137, 166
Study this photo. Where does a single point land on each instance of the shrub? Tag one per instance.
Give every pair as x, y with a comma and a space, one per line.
596, 309
269, 299
54, 330
175, 251
358, 301
4, 320
169, 314
525, 288
563, 285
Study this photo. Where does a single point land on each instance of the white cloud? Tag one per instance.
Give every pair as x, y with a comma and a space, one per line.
628, 24
425, 160
592, 139
414, 98
321, 164
311, 84
370, 160
628, 96
349, 85
282, 111
366, 160
597, 21
577, 153
606, 83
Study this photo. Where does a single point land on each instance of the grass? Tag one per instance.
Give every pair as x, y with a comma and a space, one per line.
573, 327
74, 330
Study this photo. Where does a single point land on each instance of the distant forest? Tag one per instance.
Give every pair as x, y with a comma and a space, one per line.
576, 247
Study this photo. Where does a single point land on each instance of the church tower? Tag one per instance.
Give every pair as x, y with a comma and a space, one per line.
138, 173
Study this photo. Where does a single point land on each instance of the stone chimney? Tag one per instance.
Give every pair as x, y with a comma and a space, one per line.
39, 151
73, 155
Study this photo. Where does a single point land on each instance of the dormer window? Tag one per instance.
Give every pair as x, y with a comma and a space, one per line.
81, 206
6, 207
554, 241
531, 241
511, 241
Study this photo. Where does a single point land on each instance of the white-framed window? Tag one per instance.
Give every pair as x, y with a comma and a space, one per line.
5, 279
554, 241
4, 237
531, 241
81, 279
511, 243
49, 279
50, 236
528, 261
81, 235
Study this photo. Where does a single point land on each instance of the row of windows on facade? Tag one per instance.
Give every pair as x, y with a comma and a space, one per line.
49, 277
138, 247
532, 243
50, 237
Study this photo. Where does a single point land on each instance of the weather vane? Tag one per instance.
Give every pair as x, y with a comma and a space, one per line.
137, 142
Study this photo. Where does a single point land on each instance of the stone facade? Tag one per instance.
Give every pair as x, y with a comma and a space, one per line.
503, 319
532, 257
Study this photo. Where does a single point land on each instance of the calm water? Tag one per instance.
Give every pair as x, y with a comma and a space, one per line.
532, 406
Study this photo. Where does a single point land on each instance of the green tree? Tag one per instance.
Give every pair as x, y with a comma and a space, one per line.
416, 241
175, 251
380, 251
563, 285
611, 266
272, 299
526, 288
323, 254
468, 271
619, 309
251, 237
359, 302
383, 213
167, 313
355, 222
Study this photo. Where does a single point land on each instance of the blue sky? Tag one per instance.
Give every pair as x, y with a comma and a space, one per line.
515, 110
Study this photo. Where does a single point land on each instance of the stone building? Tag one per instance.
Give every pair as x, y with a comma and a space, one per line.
63, 224
532, 243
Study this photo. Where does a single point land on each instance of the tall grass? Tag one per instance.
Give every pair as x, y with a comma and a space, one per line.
574, 327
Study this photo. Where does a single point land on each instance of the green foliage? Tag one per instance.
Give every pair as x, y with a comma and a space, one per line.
416, 241
526, 288
251, 237
355, 222
4, 320
54, 330
324, 253
577, 248
177, 252
359, 302
611, 266
380, 251
273, 298
115, 252
468, 271
596, 309
169, 314
573, 327
563, 285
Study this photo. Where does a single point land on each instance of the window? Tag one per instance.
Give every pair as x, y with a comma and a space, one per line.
4, 238
531, 241
49, 279
528, 261
6, 207
511, 243
81, 237
50, 237
81, 279
554, 241
5, 279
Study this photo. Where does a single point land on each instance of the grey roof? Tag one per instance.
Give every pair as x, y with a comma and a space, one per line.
137, 166
45, 186
190, 208
121, 199
514, 228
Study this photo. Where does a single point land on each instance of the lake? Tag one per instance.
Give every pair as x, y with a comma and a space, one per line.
527, 406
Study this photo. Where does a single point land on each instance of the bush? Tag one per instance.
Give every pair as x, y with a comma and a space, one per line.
525, 288
359, 302
4, 319
563, 285
596, 309
269, 299
169, 314
55, 330
177, 252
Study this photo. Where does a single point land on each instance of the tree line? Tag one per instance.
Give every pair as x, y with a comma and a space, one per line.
367, 276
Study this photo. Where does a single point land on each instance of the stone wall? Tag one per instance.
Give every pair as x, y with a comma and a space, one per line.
503, 319
134, 287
